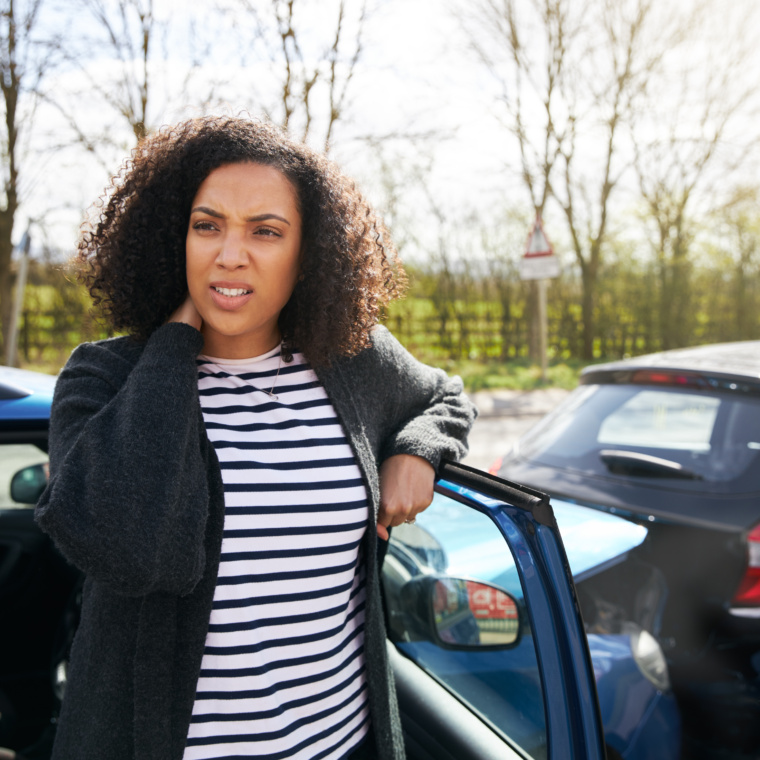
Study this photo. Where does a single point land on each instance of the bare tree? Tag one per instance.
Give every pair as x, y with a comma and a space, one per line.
314, 72
505, 35
741, 220
130, 30
689, 144
24, 60
571, 72
133, 62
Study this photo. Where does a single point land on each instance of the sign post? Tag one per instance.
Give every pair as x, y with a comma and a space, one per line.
539, 263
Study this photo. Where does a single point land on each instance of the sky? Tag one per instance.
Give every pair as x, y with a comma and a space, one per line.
414, 79
417, 77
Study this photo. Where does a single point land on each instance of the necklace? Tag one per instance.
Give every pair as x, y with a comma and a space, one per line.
270, 392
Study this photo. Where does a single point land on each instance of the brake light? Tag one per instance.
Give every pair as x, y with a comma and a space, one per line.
650, 377
748, 593
496, 466
676, 379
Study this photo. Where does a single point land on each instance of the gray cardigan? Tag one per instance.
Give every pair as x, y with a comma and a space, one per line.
136, 502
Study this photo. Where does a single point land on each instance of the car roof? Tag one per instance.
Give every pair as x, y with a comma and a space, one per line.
740, 360
25, 395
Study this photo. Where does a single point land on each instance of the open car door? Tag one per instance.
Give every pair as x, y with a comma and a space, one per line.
486, 638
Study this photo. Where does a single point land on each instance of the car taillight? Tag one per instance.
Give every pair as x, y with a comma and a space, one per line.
496, 466
748, 593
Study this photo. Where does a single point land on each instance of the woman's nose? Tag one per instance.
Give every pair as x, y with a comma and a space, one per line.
233, 253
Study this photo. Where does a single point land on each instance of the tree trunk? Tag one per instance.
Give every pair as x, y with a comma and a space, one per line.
588, 303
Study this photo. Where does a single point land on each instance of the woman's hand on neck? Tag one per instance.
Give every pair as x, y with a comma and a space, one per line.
227, 346
188, 314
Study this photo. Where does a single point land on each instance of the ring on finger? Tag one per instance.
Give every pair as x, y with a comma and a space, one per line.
410, 520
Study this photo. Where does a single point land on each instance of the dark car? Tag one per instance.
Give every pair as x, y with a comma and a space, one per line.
671, 442
520, 682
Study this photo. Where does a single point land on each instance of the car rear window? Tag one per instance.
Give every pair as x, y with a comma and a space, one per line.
658, 419
695, 438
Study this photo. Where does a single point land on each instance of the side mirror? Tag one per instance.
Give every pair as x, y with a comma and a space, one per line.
457, 613
28, 484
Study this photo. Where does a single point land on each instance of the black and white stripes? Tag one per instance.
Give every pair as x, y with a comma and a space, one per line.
283, 669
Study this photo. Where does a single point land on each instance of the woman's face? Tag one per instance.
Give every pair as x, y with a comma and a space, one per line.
243, 254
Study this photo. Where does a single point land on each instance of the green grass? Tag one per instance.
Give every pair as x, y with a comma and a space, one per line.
519, 374
477, 376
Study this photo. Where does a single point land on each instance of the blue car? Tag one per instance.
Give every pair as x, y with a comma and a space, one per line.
500, 679
487, 641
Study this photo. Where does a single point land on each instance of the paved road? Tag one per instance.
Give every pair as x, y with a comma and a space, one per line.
504, 417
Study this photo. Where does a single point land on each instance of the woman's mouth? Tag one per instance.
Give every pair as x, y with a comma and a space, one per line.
229, 298
231, 292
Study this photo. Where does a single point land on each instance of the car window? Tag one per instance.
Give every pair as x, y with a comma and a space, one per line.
657, 419
20, 460
502, 683
714, 438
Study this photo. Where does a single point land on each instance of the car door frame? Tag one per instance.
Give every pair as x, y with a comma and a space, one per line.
573, 721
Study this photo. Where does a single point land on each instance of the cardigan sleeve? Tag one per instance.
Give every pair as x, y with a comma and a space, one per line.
127, 501
429, 412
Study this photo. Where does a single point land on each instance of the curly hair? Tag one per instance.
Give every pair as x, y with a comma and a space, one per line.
132, 260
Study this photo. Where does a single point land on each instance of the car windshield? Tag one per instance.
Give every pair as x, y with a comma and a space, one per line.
699, 440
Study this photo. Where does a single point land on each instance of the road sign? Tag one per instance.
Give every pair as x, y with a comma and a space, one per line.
539, 261
539, 267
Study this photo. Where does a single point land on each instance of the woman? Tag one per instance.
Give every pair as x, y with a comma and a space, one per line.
222, 475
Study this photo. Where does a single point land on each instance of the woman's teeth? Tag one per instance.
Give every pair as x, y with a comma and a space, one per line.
231, 291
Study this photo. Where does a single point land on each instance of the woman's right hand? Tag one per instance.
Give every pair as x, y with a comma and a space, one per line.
188, 314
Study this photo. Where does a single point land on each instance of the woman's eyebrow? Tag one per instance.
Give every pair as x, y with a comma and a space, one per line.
207, 210
256, 218
264, 217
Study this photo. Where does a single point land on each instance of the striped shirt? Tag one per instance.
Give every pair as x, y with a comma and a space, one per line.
283, 670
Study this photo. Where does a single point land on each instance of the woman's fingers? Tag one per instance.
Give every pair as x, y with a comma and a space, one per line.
188, 314
406, 489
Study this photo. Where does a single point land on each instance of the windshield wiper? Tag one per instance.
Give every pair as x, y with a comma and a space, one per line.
644, 465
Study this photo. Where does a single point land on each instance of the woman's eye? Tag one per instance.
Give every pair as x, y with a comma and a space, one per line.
204, 226
267, 231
